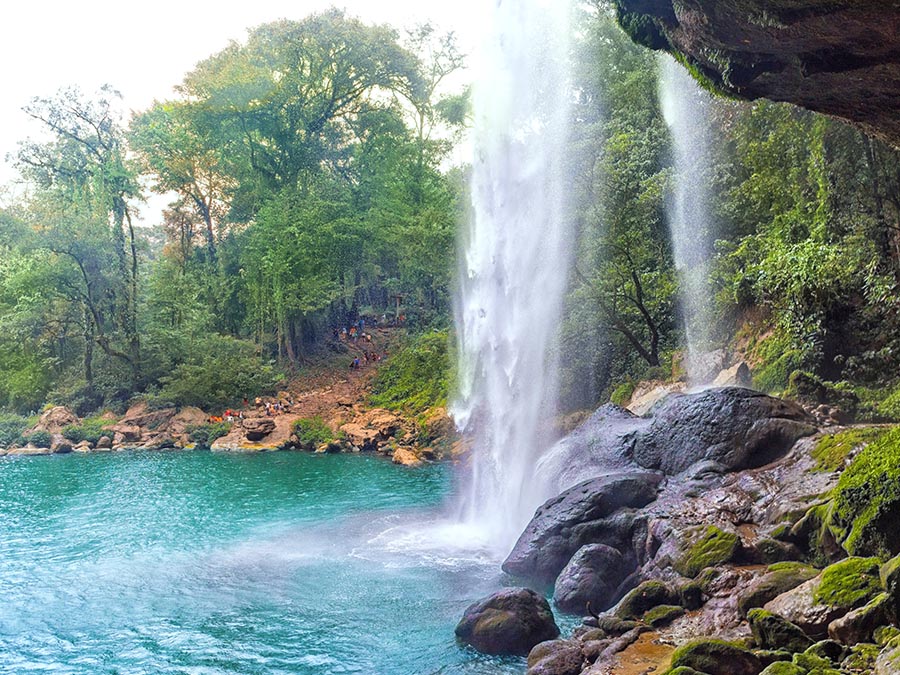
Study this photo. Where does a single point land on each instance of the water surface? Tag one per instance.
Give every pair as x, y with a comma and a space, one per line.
203, 563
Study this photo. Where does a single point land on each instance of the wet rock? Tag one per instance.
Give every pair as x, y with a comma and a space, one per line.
738, 428
597, 511
779, 579
556, 657
737, 375
646, 596
859, 625
770, 631
601, 444
257, 428
717, 657
593, 575
662, 615
511, 621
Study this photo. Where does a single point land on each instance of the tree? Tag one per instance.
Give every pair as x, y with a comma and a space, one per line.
84, 183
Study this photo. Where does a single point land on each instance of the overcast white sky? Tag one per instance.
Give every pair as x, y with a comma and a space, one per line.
144, 49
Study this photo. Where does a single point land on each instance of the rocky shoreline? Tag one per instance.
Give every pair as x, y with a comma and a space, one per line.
354, 429
722, 534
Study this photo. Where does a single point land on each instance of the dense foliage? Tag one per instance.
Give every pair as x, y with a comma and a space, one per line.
306, 168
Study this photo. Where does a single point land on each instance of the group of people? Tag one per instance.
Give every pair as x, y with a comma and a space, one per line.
228, 416
273, 408
367, 357
353, 333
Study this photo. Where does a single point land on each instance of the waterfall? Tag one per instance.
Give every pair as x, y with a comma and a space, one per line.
514, 262
685, 107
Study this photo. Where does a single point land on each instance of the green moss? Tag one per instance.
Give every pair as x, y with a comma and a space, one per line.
662, 615
622, 393
849, 583
641, 28
866, 513
861, 658
832, 450
716, 657
783, 668
683, 670
884, 634
713, 547
814, 664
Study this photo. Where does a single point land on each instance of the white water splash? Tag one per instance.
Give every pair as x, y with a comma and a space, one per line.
685, 107
515, 261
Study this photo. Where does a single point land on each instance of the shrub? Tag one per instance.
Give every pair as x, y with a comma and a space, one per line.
312, 432
90, 429
40, 439
11, 428
622, 393
219, 375
417, 377
203, 435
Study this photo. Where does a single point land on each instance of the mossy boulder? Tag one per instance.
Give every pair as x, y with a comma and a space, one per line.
710, 546
849, 583
890, 580
646, 596
861, 658
779, 578
865, 517
832, 450
684, 670
770, 631
511, 621
828, 649
859, 625
888, 660
783, 668
840, 588
663, 615
556, 657
812, 663
717, 657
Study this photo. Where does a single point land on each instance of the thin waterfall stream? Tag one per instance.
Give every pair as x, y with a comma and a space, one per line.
685, 107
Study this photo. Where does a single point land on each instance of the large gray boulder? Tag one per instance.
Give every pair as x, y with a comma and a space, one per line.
510, 621
597, 511
604, 442
593, 575
734, 427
